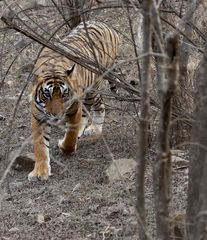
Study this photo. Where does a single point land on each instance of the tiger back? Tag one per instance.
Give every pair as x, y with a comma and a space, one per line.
66, 90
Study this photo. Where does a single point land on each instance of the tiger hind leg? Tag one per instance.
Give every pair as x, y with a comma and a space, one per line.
98, 114
83, 126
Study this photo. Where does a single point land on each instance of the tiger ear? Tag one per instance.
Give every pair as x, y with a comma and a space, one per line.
69, 71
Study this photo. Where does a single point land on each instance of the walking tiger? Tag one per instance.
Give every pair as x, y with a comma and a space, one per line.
66, 90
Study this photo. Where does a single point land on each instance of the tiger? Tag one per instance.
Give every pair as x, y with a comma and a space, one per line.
66, 90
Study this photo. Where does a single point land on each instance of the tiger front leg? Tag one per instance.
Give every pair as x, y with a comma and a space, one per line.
73, 117
41, 136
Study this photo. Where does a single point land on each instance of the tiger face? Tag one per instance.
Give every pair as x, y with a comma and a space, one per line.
54, 92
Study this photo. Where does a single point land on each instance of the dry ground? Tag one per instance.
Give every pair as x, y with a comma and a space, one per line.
79, 201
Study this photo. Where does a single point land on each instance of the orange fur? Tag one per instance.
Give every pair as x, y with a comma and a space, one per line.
42, 166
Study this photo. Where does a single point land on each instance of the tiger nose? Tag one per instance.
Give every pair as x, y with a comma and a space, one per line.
56, 88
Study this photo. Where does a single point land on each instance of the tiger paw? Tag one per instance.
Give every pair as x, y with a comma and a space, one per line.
66, 149
41, 171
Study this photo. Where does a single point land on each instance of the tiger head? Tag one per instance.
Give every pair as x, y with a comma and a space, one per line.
53, 91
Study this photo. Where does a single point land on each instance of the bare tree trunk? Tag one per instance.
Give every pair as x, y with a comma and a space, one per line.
158, 46
144, 118
196, 218
182, 102
162, 170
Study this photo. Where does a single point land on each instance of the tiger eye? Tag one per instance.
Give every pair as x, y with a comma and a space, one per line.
46, 93
65, 93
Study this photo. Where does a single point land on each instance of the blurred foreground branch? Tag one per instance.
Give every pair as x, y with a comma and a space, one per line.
162, 169
144, 118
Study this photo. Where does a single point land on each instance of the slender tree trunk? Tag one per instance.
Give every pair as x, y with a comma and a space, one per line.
158, 47
144, 119
182, 102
